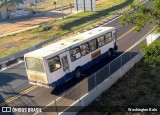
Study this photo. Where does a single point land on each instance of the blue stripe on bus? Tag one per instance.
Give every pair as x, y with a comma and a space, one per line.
72, 74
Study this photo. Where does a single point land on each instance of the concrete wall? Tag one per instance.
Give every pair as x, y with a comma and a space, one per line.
20, 13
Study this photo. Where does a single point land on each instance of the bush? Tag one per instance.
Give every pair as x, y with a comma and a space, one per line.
152, 53
57, 27
43, 28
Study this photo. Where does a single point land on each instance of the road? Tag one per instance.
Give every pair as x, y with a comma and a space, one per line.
13, 81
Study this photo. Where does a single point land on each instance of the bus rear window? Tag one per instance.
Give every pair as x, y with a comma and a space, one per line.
34, 64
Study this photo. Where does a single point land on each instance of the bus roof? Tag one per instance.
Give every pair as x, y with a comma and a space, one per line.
68, 43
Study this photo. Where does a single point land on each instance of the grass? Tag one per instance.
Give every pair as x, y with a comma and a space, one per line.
48, 5
13, 43
139, 87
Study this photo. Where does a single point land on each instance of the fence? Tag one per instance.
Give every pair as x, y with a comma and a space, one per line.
91, 87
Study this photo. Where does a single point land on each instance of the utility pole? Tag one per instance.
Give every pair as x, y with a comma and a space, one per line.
62, 10
77, 5
54, 4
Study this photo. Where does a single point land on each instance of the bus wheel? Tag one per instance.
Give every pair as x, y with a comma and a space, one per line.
110, 53
78, 72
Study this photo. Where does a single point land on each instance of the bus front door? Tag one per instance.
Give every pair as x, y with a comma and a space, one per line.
65, 67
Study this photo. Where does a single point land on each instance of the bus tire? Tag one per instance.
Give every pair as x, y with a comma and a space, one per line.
110, 53
78, 72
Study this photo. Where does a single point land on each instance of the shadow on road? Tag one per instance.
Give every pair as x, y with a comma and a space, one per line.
71, 83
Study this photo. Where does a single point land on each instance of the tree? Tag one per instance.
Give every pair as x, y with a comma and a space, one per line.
6, 2
152, 53
143, 14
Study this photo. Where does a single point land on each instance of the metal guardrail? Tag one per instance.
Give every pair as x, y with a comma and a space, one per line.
108, 73
19, 55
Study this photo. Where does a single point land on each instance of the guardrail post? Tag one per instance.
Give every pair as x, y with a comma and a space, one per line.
139, 49
121, 63
78, 92
56, 107
132, 57
109, 70
95, 80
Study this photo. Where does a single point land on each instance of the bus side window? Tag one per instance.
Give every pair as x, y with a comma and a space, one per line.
101, 41
108, 37
93, 44
54, 63
84, 49
65, 63
75, 53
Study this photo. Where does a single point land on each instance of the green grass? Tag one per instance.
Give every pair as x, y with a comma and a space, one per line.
139, 87
25, 39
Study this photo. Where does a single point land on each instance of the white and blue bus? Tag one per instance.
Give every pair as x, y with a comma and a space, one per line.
57, 63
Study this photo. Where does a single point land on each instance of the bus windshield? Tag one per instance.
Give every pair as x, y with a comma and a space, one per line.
34, 64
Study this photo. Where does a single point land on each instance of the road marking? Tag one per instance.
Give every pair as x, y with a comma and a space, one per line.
126, 33
18, 95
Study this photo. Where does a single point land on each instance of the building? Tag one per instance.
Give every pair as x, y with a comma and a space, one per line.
16, 11
4, 10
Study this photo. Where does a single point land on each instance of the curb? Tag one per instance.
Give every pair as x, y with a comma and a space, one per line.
5, 65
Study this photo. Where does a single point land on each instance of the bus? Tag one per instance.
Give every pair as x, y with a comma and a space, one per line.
57, 63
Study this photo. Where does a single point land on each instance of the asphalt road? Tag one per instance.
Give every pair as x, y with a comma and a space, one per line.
14, 80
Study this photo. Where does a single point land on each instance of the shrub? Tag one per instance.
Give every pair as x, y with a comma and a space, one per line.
152, 53
43, 28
